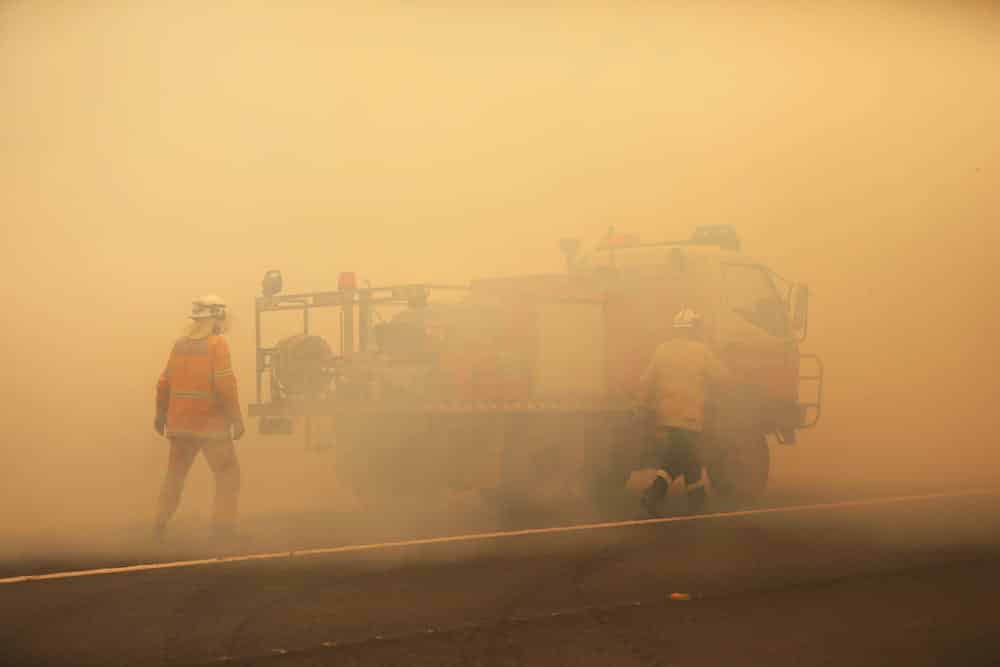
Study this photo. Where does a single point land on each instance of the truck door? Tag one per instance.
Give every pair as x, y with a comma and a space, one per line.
754, 332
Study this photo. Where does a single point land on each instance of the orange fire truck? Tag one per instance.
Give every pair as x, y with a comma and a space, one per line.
517, 385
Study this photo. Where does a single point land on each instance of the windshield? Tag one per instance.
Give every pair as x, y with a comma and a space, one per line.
750, 293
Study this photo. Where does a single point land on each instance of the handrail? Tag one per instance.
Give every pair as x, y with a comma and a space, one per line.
816, 405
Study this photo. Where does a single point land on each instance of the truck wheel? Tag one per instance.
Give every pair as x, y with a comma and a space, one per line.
741, 473
608, 494
611, 452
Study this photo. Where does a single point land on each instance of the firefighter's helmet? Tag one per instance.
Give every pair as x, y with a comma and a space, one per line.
687, 318
208, 307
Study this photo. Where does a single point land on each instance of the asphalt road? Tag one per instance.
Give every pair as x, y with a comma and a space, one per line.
914, 582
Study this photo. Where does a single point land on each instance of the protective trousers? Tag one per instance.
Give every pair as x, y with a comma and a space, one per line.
677, 450
221, 457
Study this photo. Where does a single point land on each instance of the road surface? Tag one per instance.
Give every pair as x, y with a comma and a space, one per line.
909, 582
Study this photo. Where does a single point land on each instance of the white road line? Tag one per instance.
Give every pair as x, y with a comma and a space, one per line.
474, 537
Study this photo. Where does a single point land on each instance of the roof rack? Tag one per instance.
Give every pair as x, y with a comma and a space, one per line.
721, 236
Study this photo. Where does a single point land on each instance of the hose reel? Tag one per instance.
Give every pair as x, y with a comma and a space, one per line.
301, 365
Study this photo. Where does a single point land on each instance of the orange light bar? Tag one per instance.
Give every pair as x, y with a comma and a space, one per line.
347, 281
620, 241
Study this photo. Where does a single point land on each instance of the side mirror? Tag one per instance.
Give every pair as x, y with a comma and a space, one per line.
570, 249
271, 284
800, 311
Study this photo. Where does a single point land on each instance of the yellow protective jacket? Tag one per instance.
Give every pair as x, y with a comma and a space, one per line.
676, 382
197, 390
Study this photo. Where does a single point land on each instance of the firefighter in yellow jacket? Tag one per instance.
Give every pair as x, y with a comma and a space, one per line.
675, 385
198, 410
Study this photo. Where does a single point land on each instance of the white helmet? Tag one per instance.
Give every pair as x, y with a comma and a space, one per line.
208, 307
687, 318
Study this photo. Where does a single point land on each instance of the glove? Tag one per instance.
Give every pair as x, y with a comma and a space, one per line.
160, 424
238, 430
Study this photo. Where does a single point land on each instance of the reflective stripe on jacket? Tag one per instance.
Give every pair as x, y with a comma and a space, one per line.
676, 381
197, 390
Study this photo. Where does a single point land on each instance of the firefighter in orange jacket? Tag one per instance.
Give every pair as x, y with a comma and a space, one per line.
675, 385
198, 410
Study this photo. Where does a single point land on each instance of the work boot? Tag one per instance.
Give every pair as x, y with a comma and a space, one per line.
653, 496
697, 499
159, 531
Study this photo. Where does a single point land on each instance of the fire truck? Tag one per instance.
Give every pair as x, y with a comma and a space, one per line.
524, 388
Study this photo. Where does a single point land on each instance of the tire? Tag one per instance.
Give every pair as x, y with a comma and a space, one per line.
742, 471
613, 448
608, 496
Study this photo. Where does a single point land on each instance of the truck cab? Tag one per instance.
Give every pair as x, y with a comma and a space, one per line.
754, 319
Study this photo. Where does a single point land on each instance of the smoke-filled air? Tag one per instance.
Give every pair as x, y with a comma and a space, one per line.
154, 153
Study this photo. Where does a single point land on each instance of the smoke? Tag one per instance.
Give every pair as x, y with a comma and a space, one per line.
153, 154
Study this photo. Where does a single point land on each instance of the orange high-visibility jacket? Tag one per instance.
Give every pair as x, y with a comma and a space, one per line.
676, 381
197, 390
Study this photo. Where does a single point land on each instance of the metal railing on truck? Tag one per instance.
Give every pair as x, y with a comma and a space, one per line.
811, 411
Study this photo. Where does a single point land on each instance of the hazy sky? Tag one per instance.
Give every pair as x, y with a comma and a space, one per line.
150, 153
